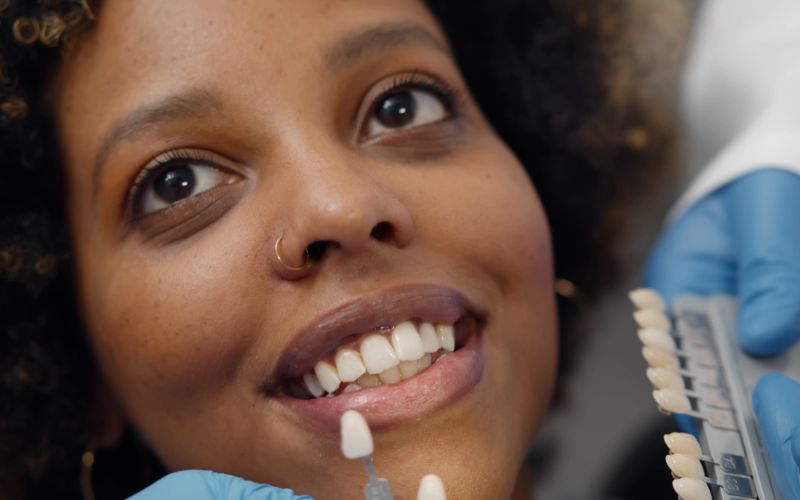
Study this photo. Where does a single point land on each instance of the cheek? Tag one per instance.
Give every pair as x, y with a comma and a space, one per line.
162, 324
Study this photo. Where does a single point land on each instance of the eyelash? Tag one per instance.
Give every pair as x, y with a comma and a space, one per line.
451, 95
159, 164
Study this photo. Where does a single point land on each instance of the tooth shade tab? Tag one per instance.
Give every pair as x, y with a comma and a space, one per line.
327, 375
431, 488
672, 400
659, 358
378, 354
430, 339
683, 443
356, 436
657, 338
685, 466
662, 378
349, 365
312, 384
647, 298
406, 342
652, 318
447, 337
691, 488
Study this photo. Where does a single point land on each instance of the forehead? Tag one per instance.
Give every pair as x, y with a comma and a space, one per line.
140, 50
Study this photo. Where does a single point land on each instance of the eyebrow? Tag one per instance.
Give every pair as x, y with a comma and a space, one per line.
198, 102
189, 104
381, 38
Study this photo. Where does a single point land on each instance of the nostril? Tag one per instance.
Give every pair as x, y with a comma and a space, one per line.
317, 250
382, 231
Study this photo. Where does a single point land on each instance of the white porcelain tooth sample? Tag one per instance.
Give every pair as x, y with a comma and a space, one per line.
390, 376
685, 466
647, 298
368, 380
406, 342
377, 354
657, 338
431, 488
312, 384
327, 375
349, 365
659, 358
652, 318
430, 340
356, 436
447, 337
424, 362
351, 388
691, 488
683, 443
408, 369
672, 400
662, 378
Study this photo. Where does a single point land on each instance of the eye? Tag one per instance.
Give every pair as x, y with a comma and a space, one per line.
179, 181
404, 109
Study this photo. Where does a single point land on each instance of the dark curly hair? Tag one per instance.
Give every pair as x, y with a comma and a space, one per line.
537, 68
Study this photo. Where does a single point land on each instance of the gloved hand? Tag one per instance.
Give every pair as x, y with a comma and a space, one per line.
776, 401
207, 485
744, 239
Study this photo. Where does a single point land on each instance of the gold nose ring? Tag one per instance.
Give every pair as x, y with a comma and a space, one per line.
302, 267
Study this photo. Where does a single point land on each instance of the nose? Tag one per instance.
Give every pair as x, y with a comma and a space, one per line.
342, 210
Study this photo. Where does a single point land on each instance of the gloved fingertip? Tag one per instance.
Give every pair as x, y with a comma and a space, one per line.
768, 324
796, 446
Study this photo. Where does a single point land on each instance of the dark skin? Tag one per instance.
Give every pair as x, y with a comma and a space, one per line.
185, 306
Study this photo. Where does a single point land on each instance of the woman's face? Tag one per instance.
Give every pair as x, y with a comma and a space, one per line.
195, 133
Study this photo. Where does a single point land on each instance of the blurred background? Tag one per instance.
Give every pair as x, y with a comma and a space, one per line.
604, 439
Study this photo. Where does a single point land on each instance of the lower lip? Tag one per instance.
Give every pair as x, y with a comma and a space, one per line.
387, 406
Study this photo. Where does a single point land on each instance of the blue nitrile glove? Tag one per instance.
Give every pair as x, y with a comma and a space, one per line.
207, 485
744, 239
776, 401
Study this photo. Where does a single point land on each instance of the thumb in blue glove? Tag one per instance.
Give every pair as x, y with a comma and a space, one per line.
742, 239
207, 485
776, 401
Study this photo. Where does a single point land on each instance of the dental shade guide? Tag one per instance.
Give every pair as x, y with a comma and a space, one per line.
357, 443
697, 369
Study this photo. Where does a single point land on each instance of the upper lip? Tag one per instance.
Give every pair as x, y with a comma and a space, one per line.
435, 304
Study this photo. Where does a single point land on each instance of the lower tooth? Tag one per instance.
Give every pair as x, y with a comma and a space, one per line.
368, 380
351, 388
441, 357
390, 376
408, 369
424, 362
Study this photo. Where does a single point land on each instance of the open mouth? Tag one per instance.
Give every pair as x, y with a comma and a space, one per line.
394, 355
385, 356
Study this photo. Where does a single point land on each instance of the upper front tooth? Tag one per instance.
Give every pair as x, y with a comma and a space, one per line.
327, 375
312, 384
378, 354
430, 341
447, 337
406, 342
349, 365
